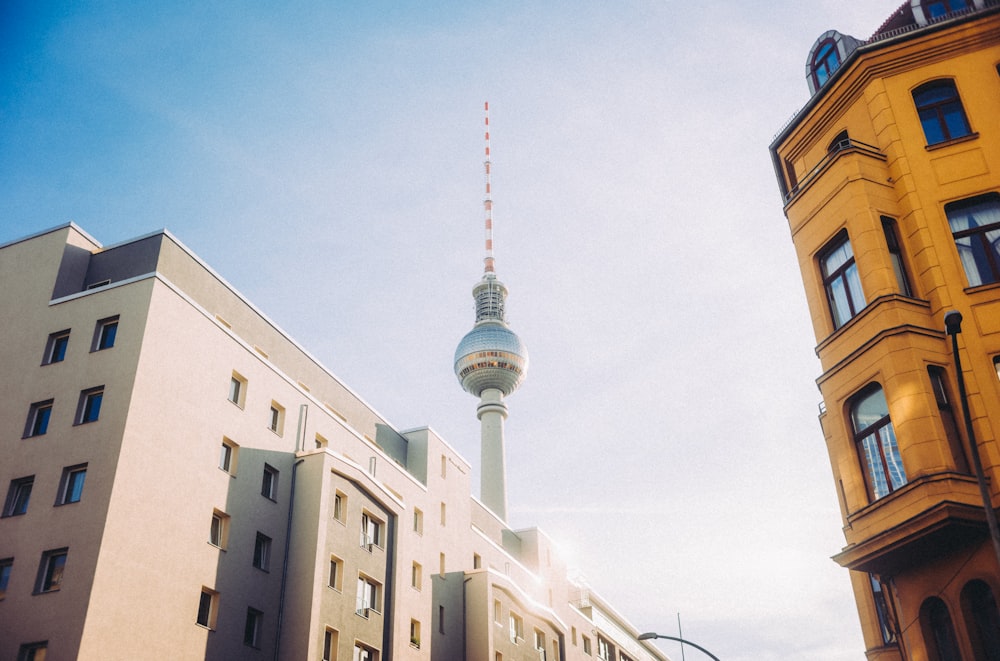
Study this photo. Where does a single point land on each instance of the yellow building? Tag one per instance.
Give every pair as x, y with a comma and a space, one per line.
184, 481
891, 183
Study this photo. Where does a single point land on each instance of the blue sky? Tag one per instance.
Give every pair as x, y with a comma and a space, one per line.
326, 159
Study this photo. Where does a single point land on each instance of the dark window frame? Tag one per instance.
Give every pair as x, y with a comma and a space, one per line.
71, 491
883, 434
105, 333
820, 67
18, 496
940, 110
841, 277
51, 570
89, 407
56, 347
981, 252
262, 552
39, 417
896, 255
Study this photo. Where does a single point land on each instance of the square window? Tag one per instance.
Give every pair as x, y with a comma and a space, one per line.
32, 651
18, 496
262, 552
89, 408
251, 631
331, 639
39, 415
269, 482
228, 456
237, 390
336, 573
105, 333
208, 608
71, 484
218, 534
50, 570
55, 348
276, 418
6, 566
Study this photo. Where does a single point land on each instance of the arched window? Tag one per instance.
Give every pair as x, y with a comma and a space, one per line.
841, 281
982, 619
840, 141
940, 110
825, 62
876, 442
939, 633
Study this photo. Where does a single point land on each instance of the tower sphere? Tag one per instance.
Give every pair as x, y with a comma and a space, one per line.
491, 356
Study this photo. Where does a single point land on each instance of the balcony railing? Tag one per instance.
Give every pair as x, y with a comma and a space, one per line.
835, 151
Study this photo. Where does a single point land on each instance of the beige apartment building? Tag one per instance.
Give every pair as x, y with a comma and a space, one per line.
184, 481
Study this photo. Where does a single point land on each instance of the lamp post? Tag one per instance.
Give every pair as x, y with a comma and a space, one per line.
953, 326
650, 636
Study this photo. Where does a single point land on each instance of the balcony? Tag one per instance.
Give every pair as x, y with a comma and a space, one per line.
838, 149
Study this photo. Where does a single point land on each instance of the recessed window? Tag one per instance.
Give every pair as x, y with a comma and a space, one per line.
938, 631
71, 484
477, 561
540, 644
876, 442
38, 418
516, 628
55, 347
605, 650
105, 333
371, 531
896, 255
251, 630
331, 640
586, 645
262, 552
415, 633
886, 626
6, 566
441, 563
33, 651
441, 620
218, 534
269, 482
364, 653
947, 415
416, 576
237, 390
18, 495
229, 455
418, 521
208, 608
444, 513
340, 507
336, 580
369, 596
89, 408
975, 225
497, 612
276, 418
982, 618
50, 570
841, 281
321, 442
940, 110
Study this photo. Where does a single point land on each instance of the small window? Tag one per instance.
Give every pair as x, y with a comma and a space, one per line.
947, 415
251, 630
336, 573
269, 482
497, 612
71, 484
340, 507
415, 633
418, 519
886, 625
939, 8
586, 645
444, 512
540, 644
105, 333
89, 408
50, 570
6, 566
441, 620
416, 576
876, 443
975, 225
229, 454
237, 390
516, 628
55, 347
369, 596
940, 110
321, 442
825, 62
331, 640
33, 651
208, 608
441, 559
444, 466
371, 531
840, 141
18, 496
276, 418
39, 415
841, 281
477, 561
218, 534
938, 630
896, 255
262, 552
364, 653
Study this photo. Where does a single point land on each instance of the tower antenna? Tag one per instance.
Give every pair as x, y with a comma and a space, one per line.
488, 202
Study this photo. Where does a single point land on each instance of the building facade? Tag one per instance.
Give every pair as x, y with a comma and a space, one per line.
184, 481
891, 183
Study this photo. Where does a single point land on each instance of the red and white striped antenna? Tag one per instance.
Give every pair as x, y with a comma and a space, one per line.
488, 202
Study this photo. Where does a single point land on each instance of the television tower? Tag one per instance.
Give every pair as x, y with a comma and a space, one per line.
491, 362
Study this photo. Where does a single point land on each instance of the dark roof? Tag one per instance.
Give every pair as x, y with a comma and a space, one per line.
901, 18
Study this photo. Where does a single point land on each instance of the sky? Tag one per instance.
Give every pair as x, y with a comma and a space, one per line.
327, 160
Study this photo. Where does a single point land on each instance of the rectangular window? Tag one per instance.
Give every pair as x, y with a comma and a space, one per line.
18, 496
331, 640
237, 390
219, 532
418, 519
262, 552
540, 644
321, 442
336, 573
251, 630
497, 612
340, 507
937, 377
276, 418
441, 564
105, 333
71, 484
33, 651
228, 457
369, 596
415, 633
975, 226
441, 620
50, 570
841, 281
364, 653
55, 348
371, 531
605, 651
444, 512
6, 567
516, 628
38, 418
208, 608
477, 561
416, 576
586, 645
269, 482
89, 408
940, 110
882, 610
896, 255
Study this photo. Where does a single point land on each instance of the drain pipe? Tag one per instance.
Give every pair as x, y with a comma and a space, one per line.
303, 411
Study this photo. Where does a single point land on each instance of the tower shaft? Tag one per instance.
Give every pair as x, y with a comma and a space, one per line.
492, 412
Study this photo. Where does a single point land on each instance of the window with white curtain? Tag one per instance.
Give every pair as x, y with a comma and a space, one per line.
975, 224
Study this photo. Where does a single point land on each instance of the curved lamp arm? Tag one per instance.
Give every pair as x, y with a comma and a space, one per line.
650, 636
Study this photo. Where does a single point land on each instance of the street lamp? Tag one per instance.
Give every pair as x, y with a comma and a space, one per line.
953, 326
650, 636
